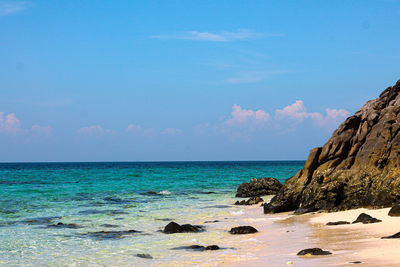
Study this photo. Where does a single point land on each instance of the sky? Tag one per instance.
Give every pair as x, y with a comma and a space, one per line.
187, 80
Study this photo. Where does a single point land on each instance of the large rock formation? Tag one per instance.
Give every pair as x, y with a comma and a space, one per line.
359, 166
259, 187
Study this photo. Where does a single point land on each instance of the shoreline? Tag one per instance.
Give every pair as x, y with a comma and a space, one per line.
282, 236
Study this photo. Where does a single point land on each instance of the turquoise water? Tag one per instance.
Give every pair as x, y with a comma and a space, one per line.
116, 197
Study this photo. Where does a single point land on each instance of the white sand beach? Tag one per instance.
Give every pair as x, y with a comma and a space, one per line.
281, 236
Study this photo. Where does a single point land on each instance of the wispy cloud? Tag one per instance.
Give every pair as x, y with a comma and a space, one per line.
13, 7
41, 131
139, 130
252, 76
172, 132
225, 36
93, 130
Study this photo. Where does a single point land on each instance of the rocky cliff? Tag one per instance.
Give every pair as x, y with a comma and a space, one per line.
359, 166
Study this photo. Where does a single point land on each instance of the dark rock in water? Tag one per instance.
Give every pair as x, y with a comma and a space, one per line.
198, 247
365, 219
109, 212
64, 225
358, 167
314, 252
397, 235
337, 223
111, 234
259, 187
40, 220
219, 206
173, 228
110, 225
250, 201
395, 211
242, 230
144, 256
211, 221
117, 200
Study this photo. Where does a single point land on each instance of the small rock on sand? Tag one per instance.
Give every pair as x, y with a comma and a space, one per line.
365, 219
313, 252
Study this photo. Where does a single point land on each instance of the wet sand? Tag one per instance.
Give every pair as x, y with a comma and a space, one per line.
282, 236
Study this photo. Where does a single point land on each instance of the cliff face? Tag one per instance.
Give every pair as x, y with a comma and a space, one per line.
359, 166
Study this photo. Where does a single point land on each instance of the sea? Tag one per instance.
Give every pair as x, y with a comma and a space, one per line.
82, 214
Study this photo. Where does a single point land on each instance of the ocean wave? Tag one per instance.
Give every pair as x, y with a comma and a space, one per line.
164, 192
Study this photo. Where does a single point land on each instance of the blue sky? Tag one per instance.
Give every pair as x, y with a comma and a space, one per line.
187, 80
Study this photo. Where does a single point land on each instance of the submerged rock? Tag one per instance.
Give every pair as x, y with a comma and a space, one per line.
144, 256
198, 247
64, 225
259, 187
173, 228
338, 223
40, 220
365, 219
250, 201
359, 166
395, 211
242, 230
313, 252
111, 234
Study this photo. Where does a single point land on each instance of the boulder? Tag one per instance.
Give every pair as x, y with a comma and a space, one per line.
366, 219
259, 187
250, 201
359, 166
242, 230
313, 252
173, 228
395, 211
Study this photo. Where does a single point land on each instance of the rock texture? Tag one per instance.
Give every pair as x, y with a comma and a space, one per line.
395, 210
359, 166
250, 201
259, 187
366, 219
243, 230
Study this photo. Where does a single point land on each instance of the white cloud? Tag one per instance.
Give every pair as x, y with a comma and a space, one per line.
172, 132
252, 76
139, 130
298, 112
241, 116
93, 130
13, 7
10, 124
224, 36
333, 117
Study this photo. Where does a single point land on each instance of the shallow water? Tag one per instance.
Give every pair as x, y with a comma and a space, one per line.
92, 197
